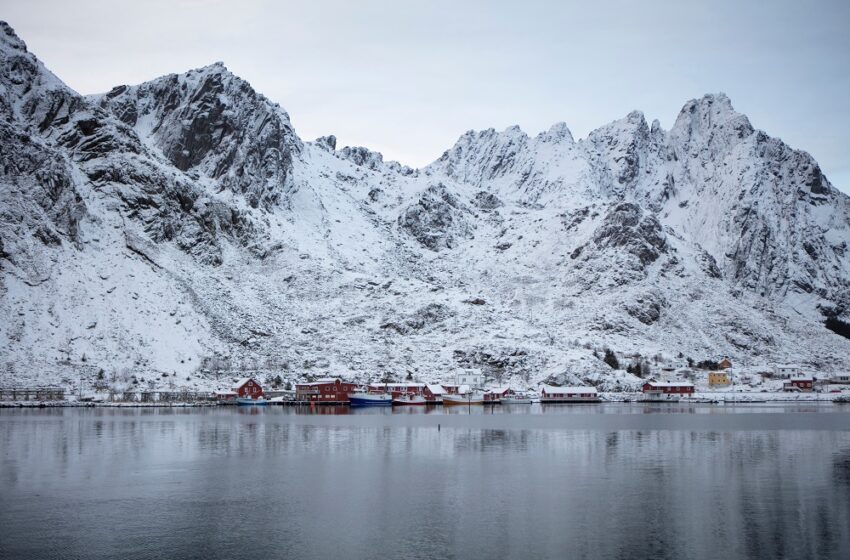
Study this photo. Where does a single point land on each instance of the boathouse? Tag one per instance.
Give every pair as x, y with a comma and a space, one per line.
248, 387
496, 394
433, 392
552, 394
799, 383
669, 388
225, 396
453, 388
330, 390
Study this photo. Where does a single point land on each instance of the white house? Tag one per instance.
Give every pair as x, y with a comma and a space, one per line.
470, 377
785, 371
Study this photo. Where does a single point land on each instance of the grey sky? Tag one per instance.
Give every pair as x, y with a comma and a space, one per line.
407, 78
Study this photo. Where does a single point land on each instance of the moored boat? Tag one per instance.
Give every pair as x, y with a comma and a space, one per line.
248, 401
405, 400
464, 399
516, 399
370, 399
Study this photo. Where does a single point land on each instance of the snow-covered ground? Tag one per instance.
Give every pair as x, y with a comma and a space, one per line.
178, 234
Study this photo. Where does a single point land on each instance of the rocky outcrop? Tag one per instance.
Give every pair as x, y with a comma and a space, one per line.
628, 231
438, 220
423, 319
213, 123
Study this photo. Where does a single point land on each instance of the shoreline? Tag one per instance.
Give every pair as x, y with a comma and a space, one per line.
719, 399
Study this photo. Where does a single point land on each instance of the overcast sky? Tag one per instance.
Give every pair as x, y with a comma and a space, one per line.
408, 77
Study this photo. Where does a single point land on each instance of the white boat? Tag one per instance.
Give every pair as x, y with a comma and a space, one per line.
516, 399
403, 400
465, 399
248, 401
370, 399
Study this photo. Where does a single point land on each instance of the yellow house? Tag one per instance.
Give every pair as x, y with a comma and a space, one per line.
718, 379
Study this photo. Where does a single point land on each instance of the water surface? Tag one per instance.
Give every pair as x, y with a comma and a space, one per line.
589, 481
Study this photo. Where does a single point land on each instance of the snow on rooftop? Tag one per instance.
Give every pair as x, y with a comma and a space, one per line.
322, 381
380, 385
242, 381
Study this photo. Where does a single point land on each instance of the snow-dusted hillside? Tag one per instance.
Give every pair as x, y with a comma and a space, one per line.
182, 222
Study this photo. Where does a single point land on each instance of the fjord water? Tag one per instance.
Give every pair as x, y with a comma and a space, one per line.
606, 481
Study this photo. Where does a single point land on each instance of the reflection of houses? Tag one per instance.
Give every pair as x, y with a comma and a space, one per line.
719, 379
787, 370
248, 387
799, 383
325, 391
550, 394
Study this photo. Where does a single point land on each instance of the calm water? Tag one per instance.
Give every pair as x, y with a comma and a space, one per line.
606, 481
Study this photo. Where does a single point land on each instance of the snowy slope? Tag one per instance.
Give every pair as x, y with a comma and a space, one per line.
181, 226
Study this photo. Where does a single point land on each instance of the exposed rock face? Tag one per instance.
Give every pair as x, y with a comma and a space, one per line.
486, 201
627, 229
425, 318
438, 220
214, 123
182, 222
647, 308
40, 206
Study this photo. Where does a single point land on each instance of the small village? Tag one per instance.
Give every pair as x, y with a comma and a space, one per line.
720, 385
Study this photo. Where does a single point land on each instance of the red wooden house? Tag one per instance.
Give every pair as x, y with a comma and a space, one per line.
331, 390
669, 388
451, 388
799, 383
248, 387
497, 394
433, 393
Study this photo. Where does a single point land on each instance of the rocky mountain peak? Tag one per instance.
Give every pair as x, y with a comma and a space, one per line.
711, 122
558, 132
9, 40
211, 122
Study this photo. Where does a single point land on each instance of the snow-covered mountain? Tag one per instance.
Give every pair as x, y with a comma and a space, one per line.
181, 225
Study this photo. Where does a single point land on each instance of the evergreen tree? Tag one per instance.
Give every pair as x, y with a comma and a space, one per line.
611, 359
